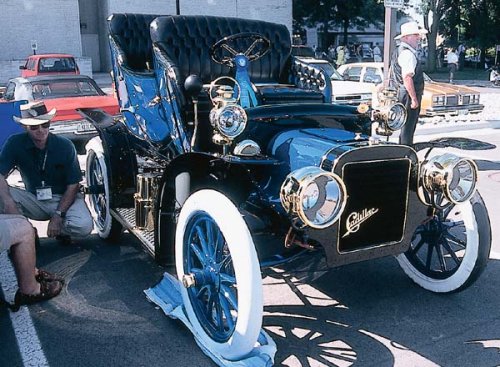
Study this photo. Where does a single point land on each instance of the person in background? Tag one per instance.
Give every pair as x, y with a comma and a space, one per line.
340, 55
377, 53
51, 174
461, 56
407, 77
452, 59
35, 285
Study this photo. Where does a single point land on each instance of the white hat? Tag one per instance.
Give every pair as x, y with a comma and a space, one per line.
34, 113
410, 28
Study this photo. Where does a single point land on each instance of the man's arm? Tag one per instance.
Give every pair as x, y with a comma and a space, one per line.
68, 198
9, 205
410, 88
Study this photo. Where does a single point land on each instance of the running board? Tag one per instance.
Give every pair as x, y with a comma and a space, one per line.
126, 216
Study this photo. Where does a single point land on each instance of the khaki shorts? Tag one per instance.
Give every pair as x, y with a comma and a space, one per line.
9, 224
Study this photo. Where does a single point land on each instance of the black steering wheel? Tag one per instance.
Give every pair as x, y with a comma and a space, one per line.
258, 47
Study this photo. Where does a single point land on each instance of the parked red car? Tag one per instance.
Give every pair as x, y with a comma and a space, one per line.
66, 93
49, 64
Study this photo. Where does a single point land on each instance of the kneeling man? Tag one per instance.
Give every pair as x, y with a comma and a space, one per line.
51, 174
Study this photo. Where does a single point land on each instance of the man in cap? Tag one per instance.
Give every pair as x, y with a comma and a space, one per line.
407, 77
51, 174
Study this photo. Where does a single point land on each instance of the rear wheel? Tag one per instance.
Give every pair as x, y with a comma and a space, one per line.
450, 251
217, 262
98, 198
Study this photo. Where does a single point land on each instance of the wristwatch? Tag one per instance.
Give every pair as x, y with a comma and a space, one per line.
61, 214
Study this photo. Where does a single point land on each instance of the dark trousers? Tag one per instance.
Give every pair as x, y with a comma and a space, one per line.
408, 130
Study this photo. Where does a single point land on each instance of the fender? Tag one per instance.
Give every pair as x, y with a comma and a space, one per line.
458, 143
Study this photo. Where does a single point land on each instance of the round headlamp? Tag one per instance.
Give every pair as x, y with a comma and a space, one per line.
315, 196
230, 120
453, 176
393, 116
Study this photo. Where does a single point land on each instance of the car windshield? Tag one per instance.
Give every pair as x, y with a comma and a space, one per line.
328, 68
63, 88
57, 64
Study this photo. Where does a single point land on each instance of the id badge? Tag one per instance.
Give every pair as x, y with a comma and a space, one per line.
44, 193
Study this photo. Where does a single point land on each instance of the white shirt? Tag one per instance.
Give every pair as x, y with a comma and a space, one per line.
407, 60
452, 57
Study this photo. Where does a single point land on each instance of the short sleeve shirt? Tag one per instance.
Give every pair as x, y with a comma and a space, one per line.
61, 166
407, 59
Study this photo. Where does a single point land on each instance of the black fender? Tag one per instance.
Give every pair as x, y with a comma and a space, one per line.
119, 155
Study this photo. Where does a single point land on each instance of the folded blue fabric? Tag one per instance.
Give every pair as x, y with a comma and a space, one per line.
167, 296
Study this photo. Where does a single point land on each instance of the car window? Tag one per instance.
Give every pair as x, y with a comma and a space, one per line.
353, 73
9, 92
63, 88
57, 64
372, 76
30, 65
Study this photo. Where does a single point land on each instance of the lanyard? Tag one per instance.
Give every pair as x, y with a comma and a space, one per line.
42, 169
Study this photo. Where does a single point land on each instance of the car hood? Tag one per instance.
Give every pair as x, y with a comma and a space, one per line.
350, 87
66, 107
445, 88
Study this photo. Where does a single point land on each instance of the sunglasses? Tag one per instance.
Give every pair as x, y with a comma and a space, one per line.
36, 127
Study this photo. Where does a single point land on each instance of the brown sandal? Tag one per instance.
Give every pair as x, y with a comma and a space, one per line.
48, 277
48, 290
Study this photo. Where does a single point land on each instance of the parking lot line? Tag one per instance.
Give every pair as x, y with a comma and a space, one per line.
28, 343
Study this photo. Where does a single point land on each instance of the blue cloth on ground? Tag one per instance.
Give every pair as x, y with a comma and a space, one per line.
166, 294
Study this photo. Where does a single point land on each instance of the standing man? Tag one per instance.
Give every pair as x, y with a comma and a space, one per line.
407, 77
51, 174
377, 53
340, 55
452, 59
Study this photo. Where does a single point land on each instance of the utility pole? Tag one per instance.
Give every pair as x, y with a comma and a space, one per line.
177, 7
391, 7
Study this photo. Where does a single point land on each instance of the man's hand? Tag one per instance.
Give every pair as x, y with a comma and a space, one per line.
414, 104
55, 226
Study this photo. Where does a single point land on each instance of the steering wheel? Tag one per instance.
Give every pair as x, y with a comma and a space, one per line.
259, 46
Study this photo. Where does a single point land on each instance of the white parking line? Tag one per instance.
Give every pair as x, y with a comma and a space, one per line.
28, 343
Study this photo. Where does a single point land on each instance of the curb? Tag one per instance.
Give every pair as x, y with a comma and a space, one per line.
437, 128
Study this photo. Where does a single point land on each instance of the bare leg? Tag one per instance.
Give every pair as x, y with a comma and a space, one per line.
23, 255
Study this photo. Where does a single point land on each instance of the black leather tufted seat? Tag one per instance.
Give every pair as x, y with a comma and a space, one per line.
131, 41
185, 41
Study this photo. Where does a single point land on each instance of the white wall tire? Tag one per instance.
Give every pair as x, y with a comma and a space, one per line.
205, 213
96, 174
460, 262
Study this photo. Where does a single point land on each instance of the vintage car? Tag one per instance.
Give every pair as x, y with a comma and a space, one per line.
222, 165
49, 64
66, 93
438, 98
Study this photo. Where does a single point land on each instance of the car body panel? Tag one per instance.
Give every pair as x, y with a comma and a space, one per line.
458, 99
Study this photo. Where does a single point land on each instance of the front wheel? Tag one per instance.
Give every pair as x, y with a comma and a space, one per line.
449, 251
98, 198
217, 263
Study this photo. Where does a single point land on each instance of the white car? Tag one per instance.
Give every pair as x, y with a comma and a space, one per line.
343, 91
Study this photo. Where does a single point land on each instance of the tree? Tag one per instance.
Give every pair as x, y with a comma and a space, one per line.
325, 14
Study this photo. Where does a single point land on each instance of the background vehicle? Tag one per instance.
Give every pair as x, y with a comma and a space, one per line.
53, 64
343, 91
66, 93
438, 98
223, 178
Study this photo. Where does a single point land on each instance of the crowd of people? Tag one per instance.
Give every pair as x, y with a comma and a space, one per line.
51, 175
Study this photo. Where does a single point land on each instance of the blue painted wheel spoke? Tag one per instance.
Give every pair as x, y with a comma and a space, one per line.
227, 279
230, 296
441, 259
209, 228
199, 254
447, 211
219, 319
203, 240
428, 262
219, 247
456, 240
418, 246
224, 303
454, 224
202, 292
447, 247
226, 262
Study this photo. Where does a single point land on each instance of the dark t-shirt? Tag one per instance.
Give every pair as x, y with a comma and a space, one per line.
61, 165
